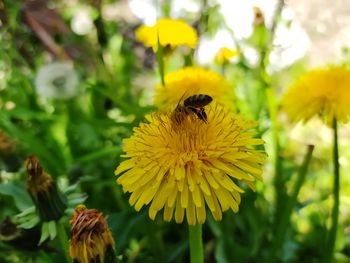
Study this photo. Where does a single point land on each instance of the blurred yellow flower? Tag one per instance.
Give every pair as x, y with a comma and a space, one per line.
186, 167
91, 240
224, 55
323, 92
188, 81
171, 33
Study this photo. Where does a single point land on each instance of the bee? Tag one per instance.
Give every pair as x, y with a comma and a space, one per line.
192, 105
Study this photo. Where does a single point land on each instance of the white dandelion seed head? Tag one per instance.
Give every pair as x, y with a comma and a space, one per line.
57, 80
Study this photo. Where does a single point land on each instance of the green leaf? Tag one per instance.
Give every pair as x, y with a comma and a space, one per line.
52, 229
27, 114
29, 210
30, 223
77, 199
107, 151
45, 233
18, 193
70, 189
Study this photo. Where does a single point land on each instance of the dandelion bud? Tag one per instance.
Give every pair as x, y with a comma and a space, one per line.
224, 55
90, 240
259, 18
49, 201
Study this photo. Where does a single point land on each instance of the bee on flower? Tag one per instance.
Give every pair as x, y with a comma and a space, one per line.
191, 81
182, 169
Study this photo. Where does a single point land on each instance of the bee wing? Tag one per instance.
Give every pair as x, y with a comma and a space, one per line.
182, 98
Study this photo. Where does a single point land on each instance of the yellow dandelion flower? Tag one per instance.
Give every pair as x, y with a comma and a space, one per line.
224, 55
187, 167
91, 240
171, 33
323, 92
193, 80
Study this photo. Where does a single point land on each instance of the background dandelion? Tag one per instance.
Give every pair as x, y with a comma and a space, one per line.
57, 81
321, 92
190, 81
169, 32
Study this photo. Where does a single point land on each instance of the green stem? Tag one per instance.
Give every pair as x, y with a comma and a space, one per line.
335, 211
272, 108
279, 184
188, 58
223, 68
196, 244
160, 60
63, 238
286, 214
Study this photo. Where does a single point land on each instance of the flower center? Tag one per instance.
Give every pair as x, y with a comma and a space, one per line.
59, 82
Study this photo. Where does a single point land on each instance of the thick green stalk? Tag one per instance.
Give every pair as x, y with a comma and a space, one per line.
63, 238
196, 244
336, 187
279, 184
286, 214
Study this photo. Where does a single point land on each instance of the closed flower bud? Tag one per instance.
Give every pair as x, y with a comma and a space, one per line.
90, 240
48, 200
259, 18
20, 238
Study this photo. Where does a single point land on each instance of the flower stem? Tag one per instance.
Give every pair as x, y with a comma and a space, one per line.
223, 69
282, 226
196, 245
160, 60
63, 238
335, 211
